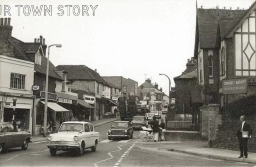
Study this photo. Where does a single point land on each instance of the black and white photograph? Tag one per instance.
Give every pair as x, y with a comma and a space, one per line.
127, 83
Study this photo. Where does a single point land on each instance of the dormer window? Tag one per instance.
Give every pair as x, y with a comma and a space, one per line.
38, 57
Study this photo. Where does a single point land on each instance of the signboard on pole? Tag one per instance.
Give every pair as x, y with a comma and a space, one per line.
234, 86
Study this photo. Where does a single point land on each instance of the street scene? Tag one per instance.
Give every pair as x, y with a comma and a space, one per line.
114, 84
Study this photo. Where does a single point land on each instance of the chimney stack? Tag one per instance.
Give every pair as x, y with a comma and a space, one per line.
95, 70
41, 39
161, 89
5, 30
156, 85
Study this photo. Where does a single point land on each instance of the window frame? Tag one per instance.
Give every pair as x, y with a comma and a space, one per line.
17, 82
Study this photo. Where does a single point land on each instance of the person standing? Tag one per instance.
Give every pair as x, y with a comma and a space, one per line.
243, 134
155, 128
162, 127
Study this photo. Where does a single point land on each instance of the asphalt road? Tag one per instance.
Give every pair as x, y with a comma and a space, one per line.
109, 153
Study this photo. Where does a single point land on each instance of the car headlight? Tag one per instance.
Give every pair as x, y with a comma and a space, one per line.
76, 138
125, 131
109, 131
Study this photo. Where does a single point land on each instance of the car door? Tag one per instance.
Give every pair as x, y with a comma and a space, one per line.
7, 137
93, 134
87, 135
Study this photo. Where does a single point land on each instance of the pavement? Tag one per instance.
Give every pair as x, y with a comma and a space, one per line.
197, 147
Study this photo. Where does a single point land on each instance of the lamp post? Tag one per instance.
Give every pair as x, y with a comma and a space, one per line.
169, 89
46, 87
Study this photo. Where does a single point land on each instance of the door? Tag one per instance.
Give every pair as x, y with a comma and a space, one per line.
87, 135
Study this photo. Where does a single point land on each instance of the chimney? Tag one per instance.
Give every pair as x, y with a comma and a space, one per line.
41, 39
148, 80
161, 89
156, 85
35, 40
5, 30
95, 70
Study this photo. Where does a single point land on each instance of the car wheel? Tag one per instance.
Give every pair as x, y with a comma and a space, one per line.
24, 145
2, 148
94, 147
53, 151
80, 150
109, 138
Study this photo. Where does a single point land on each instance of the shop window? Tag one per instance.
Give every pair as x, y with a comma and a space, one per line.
17, 81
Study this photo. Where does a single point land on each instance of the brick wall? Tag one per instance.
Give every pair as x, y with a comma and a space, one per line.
226, 136
210, 121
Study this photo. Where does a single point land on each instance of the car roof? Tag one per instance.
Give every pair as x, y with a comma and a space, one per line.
77, 122
122, 121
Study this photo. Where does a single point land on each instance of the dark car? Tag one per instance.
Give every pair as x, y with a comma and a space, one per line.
120, 129
11, 138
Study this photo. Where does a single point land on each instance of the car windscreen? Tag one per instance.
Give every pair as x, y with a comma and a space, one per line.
119, 124
138, 119
73, 127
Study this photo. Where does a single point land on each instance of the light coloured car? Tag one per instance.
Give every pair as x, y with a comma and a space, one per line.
11, 138
74, 136
138, 122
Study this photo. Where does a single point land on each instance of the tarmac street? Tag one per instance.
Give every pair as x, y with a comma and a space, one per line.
116, 153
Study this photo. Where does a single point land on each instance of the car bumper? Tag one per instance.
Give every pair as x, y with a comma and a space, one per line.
118, 136
64, 146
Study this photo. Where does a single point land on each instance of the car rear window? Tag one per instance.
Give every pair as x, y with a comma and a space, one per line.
66, 127
119, 124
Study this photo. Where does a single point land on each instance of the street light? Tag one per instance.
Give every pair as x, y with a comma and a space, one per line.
169, 89
46, 87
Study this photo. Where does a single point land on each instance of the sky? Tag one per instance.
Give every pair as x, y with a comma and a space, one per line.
136, 39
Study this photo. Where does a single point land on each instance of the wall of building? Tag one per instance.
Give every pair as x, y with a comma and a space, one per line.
10, 65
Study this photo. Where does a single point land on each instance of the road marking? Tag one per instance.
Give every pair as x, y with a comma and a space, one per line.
212, 159
123, 156
111, 156
38, 142
123, 141
120, 141
21, 155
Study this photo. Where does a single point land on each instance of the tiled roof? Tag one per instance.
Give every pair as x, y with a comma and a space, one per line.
81, 72
20, 53
147, 85
208, 20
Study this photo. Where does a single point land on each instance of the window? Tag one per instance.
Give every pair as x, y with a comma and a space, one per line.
17, 81
38, 57
86, 128
91, 128
222, 61
200, 76
210, 66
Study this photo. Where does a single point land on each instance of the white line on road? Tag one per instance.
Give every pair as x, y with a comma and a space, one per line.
23, 154
38, 142
108, 141
122, 157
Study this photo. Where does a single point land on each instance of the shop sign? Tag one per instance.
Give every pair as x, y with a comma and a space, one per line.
51, 96
35, 87
234, 86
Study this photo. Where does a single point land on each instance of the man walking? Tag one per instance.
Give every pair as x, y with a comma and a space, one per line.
155, 128
243, 134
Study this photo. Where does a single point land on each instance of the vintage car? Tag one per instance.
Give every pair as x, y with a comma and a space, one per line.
120, 129
73, 136
138, 122
11, 137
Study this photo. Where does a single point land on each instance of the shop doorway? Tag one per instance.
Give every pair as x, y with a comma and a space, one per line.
21, 116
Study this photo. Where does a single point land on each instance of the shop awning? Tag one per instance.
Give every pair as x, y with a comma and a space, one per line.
85, 104
112, 102
55, 107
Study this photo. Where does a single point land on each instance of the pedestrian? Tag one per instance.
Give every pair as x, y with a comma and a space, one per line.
243, 134
155, 128
162, 127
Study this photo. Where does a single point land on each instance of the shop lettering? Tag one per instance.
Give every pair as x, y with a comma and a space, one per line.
48, 10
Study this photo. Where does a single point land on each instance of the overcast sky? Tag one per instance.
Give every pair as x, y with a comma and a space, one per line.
135, 39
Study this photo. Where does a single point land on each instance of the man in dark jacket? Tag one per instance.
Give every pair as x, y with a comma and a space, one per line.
155, 128
243, 134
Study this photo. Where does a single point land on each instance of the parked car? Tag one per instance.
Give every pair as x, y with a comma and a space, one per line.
11, 137
74, 136
120, 129
109, 115
138, 122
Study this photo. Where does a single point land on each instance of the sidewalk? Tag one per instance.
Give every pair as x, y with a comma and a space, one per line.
97, 123
200, 148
